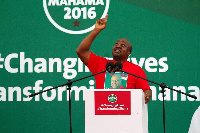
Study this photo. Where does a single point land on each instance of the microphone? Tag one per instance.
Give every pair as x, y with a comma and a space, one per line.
109, 66
118, 66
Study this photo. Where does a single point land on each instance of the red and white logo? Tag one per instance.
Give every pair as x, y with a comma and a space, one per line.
112, 102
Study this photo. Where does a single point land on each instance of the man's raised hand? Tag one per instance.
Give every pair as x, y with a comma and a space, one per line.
101, 23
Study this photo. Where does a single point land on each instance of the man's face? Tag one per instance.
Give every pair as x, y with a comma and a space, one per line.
115, 82
121, 50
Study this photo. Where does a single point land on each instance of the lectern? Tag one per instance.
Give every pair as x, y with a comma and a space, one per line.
115, 111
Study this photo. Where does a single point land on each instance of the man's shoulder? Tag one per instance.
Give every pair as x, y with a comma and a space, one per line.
100, 57
133, 67
132, 64
98, 61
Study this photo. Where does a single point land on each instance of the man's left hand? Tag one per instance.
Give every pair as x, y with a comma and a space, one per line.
147, 95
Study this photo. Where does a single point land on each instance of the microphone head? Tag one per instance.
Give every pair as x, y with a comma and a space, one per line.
119, 65
109, 66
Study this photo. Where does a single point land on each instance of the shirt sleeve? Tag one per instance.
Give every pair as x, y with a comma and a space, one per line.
141, 83
94, 63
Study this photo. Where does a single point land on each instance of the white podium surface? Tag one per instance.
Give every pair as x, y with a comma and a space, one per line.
136, 122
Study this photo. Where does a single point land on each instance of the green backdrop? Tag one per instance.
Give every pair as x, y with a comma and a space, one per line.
33, 53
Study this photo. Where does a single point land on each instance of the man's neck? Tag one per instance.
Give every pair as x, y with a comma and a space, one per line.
117, 60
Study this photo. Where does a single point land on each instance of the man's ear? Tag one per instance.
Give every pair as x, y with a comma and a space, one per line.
129, 53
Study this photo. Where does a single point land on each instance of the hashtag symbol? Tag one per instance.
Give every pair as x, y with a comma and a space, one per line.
1, 60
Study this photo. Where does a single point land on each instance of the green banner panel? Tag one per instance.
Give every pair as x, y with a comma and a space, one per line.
38, 42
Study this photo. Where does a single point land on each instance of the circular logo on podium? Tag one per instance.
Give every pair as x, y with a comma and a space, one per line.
112, 98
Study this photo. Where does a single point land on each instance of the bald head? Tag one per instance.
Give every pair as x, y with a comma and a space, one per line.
121, 50
127, 42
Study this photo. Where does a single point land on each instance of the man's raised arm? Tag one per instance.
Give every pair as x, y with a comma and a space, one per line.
83, 50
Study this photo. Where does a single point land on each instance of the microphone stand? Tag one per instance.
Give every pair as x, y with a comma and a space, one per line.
163, 86
69, 84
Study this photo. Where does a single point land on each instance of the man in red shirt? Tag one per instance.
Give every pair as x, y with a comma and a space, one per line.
121, 50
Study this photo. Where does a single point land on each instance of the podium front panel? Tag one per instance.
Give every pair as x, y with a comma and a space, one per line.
135, 121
